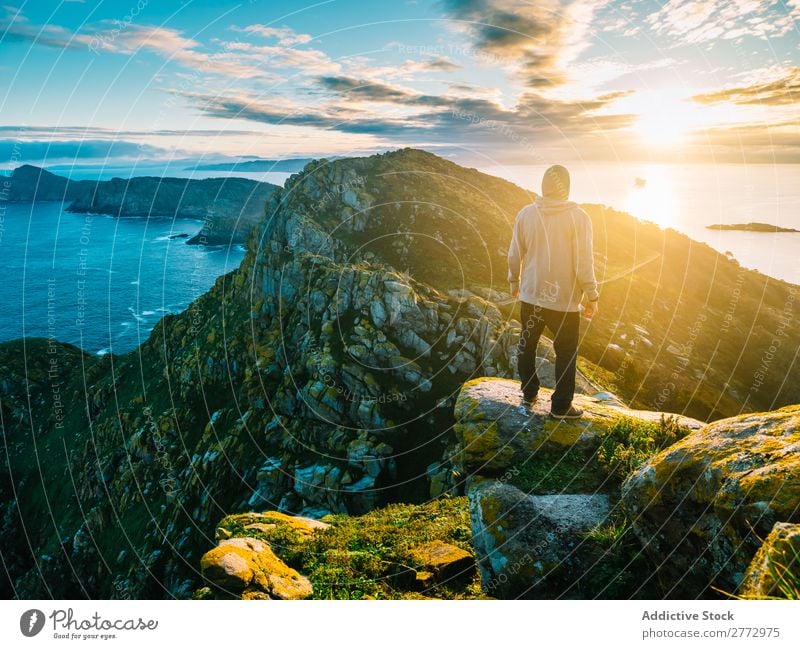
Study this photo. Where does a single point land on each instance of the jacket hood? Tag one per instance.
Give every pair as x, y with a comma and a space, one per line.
554, 205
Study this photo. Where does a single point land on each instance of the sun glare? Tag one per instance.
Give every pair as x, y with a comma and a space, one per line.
656, 198
661, 130
664, 117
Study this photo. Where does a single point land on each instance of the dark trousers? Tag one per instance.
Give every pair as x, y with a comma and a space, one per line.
564, 327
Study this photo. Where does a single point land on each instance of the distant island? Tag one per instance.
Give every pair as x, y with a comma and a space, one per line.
750, 227
289, 165
227, 207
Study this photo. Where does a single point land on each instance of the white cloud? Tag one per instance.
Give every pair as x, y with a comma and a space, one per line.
284, 35
701, 21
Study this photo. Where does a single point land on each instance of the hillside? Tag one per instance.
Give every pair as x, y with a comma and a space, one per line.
27, 183
321, 376
227, 207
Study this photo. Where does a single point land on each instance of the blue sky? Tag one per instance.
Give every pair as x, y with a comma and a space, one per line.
504, 80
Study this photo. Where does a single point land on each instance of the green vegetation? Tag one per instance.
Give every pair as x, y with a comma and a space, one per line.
371, 556
625, 445
610, 533
548, 472
621, 570
787, 576
629, 443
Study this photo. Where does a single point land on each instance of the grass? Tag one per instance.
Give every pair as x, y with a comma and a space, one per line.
609, 534
629, 443
787, 577
621, 570
548, 472
625, 446
368, 557
784, 578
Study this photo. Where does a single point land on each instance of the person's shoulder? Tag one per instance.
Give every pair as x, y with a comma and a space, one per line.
528, 209
579, 212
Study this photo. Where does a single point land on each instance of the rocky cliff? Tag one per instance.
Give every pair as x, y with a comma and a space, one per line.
320, 378
227, 207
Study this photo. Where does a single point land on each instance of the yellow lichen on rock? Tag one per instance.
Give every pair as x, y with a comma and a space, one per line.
228, 566
444, 560
242, 562
708, 499
775, 570
495, 431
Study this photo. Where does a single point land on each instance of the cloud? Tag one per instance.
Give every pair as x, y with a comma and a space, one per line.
529, 105
440, 64
44, 150
700, 21
756, 142
241, 105
418, 119
782, 91
172, 45
14, 27
306, 61
284, 35
23, 133
538, 39
378, 92
128, 38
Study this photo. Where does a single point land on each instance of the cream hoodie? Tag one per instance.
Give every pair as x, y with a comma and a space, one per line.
551, 256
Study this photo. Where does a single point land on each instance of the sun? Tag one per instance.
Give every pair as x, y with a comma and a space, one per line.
665, 117
661, 130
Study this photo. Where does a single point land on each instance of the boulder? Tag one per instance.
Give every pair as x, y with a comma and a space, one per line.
497, 432
247, 564
532, 547
775, 570
443, 560
701, 506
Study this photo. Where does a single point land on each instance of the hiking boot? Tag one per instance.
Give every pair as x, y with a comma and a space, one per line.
529, 401
571, 413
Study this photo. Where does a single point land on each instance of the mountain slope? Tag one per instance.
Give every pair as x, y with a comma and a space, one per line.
321, 375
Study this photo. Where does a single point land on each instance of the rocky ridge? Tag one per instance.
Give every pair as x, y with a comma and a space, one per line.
319, 380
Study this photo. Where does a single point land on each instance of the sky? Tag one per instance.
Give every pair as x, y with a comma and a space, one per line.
503, 81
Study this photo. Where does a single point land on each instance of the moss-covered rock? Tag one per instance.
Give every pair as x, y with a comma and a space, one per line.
497, 432
775, 570
445, 561
533, 547
702, 505
394, 552
242, 563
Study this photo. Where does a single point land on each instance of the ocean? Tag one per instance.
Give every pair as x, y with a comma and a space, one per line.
95, 281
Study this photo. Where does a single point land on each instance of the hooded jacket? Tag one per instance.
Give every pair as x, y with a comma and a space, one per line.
551, 257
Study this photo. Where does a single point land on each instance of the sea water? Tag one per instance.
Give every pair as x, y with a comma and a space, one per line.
95, 281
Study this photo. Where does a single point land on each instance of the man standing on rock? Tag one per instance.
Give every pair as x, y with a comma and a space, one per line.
551, 268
